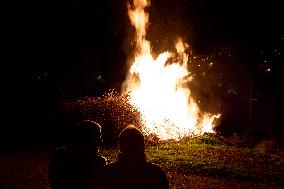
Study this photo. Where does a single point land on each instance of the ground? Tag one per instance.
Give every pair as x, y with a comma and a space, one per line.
214, 166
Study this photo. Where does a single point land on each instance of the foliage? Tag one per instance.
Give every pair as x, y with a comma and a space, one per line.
112, 111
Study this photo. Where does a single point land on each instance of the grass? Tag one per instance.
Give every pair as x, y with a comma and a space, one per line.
208, 161
211, 155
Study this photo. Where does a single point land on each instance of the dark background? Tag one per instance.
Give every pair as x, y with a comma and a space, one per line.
80, 47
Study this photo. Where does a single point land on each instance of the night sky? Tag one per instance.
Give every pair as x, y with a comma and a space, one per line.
80, 47
92, 37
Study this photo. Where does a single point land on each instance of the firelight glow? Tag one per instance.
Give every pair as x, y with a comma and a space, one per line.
158, 86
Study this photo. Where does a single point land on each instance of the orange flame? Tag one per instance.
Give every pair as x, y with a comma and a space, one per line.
157, 86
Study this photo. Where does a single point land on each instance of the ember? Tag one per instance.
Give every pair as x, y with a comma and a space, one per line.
158, 86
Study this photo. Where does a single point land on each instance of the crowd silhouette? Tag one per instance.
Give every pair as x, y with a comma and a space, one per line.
80, 166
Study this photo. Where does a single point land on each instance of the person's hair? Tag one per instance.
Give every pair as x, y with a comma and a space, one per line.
87, 132
131, 140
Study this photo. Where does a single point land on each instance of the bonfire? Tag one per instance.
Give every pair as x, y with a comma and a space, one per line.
158, 86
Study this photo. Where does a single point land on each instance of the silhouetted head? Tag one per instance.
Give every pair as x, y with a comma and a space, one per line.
87, 134
131, 140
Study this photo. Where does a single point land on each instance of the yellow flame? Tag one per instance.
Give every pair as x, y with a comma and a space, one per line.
157, 86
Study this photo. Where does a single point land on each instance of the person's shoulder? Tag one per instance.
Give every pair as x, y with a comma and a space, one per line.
111, 166
61, 151
157, 171
102, 160
154, 167
110, 169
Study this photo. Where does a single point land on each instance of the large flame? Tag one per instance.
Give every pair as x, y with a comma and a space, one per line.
158, 86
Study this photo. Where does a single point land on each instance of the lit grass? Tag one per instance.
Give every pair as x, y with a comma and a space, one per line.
212, 156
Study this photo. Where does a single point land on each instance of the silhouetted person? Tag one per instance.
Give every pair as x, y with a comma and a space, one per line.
131, 170
79, 165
